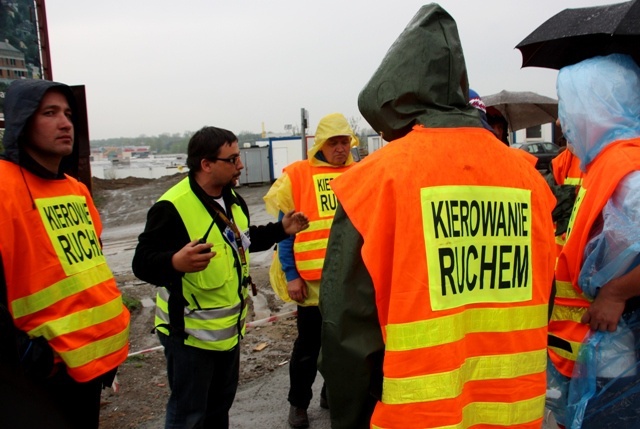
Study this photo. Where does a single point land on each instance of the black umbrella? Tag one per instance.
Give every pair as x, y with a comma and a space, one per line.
574, 35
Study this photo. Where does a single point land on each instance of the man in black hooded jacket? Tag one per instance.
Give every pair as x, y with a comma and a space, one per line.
65, 328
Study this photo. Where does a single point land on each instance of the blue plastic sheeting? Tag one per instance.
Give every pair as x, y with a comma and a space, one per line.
599, 104
604, 391
616, 249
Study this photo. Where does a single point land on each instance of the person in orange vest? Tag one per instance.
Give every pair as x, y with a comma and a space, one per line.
567, 178
599, 107
566, 166
435, 289
71, 325
306, 186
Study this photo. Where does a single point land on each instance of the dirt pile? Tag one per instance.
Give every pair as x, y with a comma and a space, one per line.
99, 185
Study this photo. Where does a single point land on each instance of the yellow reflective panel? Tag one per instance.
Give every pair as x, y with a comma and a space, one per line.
326, 200
79, 320
574, 211
573, 181
570, 355
314, 264
306, 246
566, 290
60, 290
444, 330
478, 244
317, 225
95, 350
447, 385
498, 413
71, 230
564, 312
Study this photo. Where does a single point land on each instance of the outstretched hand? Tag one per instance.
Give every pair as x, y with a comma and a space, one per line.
294, 222
193, 257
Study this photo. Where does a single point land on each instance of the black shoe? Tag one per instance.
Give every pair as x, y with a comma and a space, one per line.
324, 403
298, 417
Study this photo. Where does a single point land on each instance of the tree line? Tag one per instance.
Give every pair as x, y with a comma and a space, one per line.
167, 143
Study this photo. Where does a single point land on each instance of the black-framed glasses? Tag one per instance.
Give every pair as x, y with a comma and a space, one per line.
233, 159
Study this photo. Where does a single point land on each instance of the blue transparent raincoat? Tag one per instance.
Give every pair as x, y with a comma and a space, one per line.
604, 391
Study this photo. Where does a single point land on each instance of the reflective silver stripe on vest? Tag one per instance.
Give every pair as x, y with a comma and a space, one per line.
212, 313
200, 315
195, 314
218, 335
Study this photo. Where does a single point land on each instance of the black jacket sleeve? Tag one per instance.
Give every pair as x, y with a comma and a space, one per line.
262, 236
31, 356
164, 234
352, 348
265, 236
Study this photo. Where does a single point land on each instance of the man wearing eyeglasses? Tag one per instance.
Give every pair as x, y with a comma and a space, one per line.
306, 186
195, 247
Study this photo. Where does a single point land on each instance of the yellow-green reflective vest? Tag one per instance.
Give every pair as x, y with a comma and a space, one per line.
216, 311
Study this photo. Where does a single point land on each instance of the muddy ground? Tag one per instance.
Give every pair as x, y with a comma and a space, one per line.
143, 391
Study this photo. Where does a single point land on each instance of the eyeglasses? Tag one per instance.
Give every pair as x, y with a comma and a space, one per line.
233, 159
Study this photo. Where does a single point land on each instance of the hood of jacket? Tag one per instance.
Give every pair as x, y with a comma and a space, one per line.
334, 124
422, 79
21, 102
598, 104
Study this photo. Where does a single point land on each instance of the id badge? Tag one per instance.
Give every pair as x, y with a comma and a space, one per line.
246, 241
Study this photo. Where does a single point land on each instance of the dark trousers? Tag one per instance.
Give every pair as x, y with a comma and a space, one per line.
58, 403
304, 358
78, 402
203, 384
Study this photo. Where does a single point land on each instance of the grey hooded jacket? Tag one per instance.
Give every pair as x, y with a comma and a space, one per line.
21, 102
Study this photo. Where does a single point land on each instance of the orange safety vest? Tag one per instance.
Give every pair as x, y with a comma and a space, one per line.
312, 195
566, 171
566, 168
58, 283
533, 160
460, 255
566, 332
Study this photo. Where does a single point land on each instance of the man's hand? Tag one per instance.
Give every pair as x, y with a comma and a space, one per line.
297, 290
294, 222
193, 257
605, 311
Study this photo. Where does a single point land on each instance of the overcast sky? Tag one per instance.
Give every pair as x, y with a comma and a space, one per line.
159, 66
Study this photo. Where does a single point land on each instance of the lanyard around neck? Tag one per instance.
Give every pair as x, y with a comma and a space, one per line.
237, 235
243, 258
